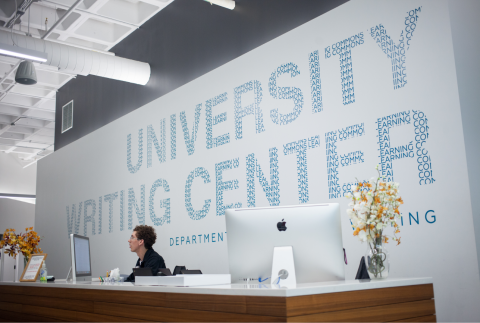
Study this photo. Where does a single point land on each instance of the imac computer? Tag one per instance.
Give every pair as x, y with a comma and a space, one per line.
81, 269
311, 232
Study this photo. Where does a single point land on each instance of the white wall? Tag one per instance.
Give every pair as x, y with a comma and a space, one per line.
14, 179
185, 174
15, 215
464, 17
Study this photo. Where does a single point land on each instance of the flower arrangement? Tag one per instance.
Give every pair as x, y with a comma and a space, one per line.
373, 207
26, 243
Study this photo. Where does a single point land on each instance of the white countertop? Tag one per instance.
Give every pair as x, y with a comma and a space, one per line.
242, 289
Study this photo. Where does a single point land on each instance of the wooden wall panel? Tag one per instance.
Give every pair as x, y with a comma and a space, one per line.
302, 305
275, 306
61, 303
11, 307
235, 304
382, 313
21, 317
428, 318
122, 297
216, 303
72, 304
158, 314
73, 316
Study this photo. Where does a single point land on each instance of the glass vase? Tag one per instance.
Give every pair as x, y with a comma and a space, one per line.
377, 259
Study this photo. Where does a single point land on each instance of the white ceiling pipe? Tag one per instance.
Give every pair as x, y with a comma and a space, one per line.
16, 31
81, 61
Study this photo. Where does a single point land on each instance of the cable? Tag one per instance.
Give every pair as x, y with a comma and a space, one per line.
28, 31
273, 280
13, 24
14, 122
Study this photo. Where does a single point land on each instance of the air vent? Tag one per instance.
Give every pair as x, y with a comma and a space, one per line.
67, 116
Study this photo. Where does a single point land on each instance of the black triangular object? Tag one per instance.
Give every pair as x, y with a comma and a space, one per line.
362, 272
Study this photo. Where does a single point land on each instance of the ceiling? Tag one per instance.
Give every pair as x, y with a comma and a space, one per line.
27, 112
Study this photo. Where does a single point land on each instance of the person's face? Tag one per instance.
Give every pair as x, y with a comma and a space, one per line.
134, 243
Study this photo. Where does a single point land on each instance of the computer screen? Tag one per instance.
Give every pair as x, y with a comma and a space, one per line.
80, 256
313, 231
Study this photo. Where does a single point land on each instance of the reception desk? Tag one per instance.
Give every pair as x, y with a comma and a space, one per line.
407, 300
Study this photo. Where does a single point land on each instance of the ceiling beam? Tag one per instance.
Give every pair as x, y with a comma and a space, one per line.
30, 95
21, 106
4, 119
26, 137
90, 14
5, 129
65, 15
22, 116
13, 69
12, 136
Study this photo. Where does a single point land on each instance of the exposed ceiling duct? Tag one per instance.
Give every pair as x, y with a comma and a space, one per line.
81, 61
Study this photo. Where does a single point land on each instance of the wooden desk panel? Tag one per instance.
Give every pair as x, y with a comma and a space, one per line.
383, 313
28, 303
332, 302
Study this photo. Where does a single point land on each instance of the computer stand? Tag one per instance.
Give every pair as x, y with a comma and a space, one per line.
70, 276
283, 266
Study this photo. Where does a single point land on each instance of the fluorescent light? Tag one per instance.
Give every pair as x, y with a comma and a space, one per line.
19, 197
23, 53
25, 200
229, 4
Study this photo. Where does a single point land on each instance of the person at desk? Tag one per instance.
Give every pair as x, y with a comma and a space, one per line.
141, 241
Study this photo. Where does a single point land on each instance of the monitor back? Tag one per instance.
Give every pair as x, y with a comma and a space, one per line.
314, 232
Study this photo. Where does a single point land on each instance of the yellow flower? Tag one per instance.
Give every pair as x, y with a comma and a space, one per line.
25, 243
357, 230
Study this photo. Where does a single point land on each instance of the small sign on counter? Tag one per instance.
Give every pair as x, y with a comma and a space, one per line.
32, 269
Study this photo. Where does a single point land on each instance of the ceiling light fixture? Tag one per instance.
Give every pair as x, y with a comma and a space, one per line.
19, 197
229, 4
26, 74
23, 53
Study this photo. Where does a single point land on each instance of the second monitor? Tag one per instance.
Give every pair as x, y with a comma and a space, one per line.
81, 269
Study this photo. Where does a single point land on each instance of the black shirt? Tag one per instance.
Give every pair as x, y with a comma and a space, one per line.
151, 260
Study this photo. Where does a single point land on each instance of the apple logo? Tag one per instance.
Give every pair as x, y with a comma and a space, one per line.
281, 226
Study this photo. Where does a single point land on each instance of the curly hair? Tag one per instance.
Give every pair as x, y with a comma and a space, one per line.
147, 234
